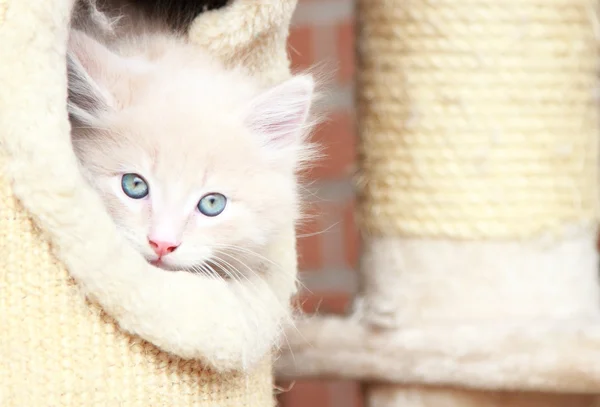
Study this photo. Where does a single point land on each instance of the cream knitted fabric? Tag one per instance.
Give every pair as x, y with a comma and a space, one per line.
59, 350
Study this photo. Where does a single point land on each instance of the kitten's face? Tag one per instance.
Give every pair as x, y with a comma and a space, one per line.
203, 189
190, 170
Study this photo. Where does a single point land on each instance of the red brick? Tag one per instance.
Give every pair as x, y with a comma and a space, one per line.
313, 393
318, 232
345, 51
346, 393
306, 393
324, 302
332, 224
336, 137
351, 235
300, 47
310, 244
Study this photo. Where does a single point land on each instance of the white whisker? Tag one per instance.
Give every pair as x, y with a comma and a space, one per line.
318, 232
261, 257
256, 275
231, 271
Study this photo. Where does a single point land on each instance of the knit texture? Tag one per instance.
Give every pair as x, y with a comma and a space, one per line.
57, 348
479, 117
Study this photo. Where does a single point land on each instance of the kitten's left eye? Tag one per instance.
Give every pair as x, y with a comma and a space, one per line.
212, 204
134, 186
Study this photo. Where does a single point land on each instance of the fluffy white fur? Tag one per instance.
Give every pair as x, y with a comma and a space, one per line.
158, 107
449, 314
226, 324
382, 395
163, 110
545, 355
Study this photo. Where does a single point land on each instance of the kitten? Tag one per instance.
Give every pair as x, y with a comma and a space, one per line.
195, 163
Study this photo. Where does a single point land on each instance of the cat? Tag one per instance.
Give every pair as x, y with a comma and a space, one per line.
195, 163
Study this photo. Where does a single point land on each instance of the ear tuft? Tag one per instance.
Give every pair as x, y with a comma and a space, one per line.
280, 114
83, 101
90, 68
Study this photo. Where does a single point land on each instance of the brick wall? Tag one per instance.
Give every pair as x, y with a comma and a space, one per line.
322, 33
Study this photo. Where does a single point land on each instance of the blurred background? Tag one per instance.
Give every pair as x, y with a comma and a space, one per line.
323, 32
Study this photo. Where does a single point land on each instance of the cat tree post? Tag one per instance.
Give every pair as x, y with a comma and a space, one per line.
478, 154
478, 198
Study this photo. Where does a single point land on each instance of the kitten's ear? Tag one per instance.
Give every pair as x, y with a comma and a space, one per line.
92, 69
280, 114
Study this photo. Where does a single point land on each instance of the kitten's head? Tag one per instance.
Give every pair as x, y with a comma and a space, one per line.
195, 163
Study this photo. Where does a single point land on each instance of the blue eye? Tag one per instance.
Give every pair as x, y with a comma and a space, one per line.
212, 204
134, 186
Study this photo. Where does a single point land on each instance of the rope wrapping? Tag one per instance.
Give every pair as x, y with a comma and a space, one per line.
478, 118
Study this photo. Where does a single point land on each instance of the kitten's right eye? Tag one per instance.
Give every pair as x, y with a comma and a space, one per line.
134, 186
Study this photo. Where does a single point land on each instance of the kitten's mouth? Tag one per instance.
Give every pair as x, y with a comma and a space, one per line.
212, 270
167, 267
161, 265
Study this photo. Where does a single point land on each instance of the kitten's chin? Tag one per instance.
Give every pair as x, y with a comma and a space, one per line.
208, 268
165, 266
177, 267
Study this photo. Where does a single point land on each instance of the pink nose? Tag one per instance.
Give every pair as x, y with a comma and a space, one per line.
162, 248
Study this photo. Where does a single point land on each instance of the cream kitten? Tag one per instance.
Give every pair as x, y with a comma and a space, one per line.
196, 164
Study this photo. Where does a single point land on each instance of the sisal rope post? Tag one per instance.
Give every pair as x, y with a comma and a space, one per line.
479, 135
478, 202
